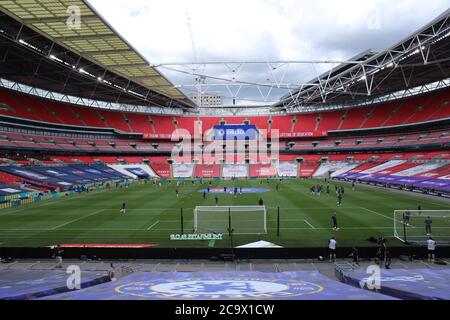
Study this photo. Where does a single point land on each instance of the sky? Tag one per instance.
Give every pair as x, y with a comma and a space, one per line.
167, 31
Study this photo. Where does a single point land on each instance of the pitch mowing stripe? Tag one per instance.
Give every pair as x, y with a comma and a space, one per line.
177, 210
268, 220
55, 201
171, 229
294, 198
79, 196
311, 208
166, 229
78, 219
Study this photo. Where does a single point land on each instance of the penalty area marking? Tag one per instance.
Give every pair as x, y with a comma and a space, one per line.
174, 229
377, 213
387, 217
149, 228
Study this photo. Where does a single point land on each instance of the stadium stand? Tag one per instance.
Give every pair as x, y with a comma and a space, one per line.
160, 166
386, 115
62, 177
260, 170
207, 171
94, 115
432, 175
307, 168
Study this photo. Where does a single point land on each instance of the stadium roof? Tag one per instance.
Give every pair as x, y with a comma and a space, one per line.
38, 48
93, 39
420, 59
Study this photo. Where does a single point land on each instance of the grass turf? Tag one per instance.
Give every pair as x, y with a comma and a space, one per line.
153, 213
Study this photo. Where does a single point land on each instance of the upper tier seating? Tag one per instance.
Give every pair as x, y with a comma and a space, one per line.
39, 141
418, 109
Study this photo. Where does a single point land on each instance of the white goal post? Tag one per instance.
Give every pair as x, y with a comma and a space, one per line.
416, 226
241, 219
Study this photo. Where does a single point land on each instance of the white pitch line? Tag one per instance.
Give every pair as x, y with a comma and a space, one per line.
78, 219
309, 224
377, 213
387, 217
149, 228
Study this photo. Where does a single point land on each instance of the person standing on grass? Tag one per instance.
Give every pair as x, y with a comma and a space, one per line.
428, 223
204, 195
353, 186
124, 208
419, 208
334, 219
177, 192
328, 189
431, 246
407, 217
216, 198
332, 249
339, 196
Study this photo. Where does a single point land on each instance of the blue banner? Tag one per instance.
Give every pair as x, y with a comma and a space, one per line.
139, 172
235, 132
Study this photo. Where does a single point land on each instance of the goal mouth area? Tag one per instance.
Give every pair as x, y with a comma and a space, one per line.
231, 220
415, 227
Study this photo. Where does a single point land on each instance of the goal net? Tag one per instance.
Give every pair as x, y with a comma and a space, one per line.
241, 219
415, 227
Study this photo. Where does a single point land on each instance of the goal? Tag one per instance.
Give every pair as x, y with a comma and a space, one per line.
240, 219
410, 226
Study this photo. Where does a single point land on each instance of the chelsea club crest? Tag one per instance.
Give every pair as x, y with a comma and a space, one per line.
223, 289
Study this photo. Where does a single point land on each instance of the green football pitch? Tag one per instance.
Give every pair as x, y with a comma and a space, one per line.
153, 214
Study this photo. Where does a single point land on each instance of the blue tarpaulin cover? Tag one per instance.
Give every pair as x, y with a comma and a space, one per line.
301, 285
33, 284
423, 284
